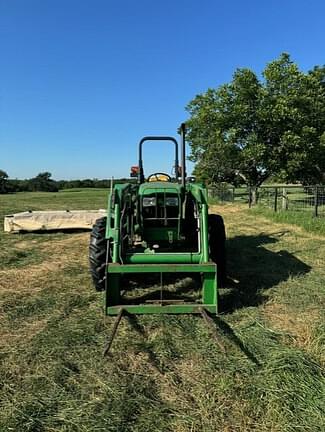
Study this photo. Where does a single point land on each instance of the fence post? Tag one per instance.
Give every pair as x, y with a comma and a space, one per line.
284, 199
233, 194
316, 201
276, 199
250, 197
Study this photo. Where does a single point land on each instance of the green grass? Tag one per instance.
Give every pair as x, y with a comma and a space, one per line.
11, 252
167, 373
302, 219
72, 199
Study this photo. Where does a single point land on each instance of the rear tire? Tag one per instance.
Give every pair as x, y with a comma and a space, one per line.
217, 246
97, 254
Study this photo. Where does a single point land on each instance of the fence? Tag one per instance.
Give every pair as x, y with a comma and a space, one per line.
310, 199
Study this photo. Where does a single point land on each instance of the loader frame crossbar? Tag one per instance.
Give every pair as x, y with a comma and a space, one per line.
113, 304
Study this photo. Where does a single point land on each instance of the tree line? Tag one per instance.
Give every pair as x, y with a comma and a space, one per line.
252, 130
43, 182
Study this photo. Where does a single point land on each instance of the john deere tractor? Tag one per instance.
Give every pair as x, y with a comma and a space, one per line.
158, 225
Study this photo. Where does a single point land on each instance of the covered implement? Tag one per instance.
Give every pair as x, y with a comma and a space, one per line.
51, 220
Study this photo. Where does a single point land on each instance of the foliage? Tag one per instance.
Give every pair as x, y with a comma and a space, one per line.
3, 181
251, 129
43, 183
89, 183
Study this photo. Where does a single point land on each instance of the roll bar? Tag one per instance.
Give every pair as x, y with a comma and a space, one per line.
165, 138
155, 138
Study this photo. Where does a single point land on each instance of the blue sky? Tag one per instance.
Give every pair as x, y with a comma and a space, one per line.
81, 81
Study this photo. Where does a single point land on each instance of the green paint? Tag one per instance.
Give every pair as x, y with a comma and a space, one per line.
161, 234
162, 268
163, 258
155, 238
157, 309
209, 288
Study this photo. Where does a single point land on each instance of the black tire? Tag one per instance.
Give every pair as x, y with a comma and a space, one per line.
97, 253
217, 246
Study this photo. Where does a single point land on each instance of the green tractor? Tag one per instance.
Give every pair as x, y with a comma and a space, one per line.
159, 225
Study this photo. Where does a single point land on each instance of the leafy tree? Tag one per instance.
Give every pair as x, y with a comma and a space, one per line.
251, 129
3, 181
43, 183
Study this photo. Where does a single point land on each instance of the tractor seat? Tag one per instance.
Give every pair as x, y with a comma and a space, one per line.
159, 177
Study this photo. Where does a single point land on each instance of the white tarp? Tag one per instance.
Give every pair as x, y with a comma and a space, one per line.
51, 220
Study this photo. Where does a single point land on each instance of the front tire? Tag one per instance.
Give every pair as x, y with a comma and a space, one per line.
97, 253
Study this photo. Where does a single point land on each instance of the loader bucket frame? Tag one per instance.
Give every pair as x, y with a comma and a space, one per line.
209, 289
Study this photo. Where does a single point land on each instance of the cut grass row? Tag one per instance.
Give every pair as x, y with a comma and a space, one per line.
168, 374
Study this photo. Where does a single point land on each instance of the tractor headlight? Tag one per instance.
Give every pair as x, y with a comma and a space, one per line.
149, 201
172, 201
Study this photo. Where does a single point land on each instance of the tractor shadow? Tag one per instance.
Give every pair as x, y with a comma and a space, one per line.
253, 269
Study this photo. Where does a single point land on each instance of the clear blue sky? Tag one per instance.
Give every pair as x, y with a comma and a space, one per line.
81, 81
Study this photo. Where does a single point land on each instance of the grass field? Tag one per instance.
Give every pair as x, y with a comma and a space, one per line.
169, 374
293, 203
302, 219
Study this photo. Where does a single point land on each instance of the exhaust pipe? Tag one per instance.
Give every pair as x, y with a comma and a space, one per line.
183, 157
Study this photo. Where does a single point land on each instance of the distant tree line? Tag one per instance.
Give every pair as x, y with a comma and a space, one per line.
89, 183
44, 183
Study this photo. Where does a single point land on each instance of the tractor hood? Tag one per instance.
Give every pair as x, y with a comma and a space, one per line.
159, 187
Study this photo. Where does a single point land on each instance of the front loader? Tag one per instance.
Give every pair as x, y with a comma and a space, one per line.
158, 226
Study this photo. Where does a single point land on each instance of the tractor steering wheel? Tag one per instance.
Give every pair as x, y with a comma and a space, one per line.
159, 176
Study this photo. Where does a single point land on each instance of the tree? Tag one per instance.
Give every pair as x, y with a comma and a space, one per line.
3, 181
43, 183
251, 129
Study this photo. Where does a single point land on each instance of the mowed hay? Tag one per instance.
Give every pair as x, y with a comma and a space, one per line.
57, 254
22, 289
166, 373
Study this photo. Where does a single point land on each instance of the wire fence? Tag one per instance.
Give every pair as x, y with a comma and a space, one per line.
309, 199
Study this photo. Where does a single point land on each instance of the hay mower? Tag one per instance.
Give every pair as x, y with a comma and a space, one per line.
158, 225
